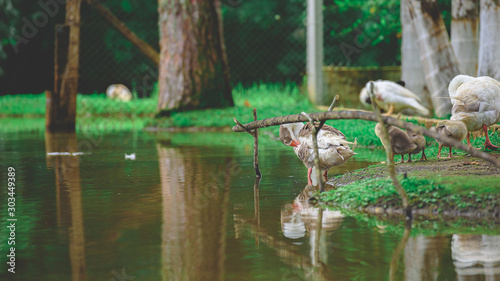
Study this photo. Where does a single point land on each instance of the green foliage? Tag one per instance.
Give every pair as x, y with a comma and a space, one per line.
362, 33
9, 15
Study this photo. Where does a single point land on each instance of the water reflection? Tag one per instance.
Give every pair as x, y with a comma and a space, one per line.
476, 255
68, 196
194, 201
424, 257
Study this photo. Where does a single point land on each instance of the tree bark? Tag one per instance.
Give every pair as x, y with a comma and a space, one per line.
411, 66
193, 70
489, 45
437, 56
464, 34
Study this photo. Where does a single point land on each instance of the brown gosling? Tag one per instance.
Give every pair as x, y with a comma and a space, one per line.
419, 140
400, 142
456, 130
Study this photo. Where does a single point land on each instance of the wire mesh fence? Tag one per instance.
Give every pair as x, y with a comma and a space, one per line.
265, 42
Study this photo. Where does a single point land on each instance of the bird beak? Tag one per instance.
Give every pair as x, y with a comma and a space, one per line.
295, 143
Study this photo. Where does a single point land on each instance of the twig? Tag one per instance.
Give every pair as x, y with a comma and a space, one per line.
390, 159
316, 152
256, 147
255, 135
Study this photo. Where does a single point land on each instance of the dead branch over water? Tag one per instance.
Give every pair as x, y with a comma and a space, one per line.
364, 115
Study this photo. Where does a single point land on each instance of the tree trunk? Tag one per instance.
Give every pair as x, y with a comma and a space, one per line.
464, 34
489, 45
193, 70
411, 66
438, 59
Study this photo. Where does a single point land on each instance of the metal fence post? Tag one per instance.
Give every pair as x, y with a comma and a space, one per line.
315, 51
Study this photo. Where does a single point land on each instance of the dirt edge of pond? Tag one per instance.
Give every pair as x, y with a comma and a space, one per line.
456, 166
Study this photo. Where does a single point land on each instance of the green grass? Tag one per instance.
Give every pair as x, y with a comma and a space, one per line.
271, 100
422, 192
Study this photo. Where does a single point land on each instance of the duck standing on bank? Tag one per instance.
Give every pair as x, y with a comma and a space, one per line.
419, 140
452, 129
333, 149
476, 102
401, 143
391, 96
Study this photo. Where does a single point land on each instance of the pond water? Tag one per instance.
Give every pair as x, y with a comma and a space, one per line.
186, 209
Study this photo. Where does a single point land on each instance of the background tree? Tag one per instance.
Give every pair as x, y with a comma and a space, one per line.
411, 66
9, 15
439, 62
489, 45
464, 34
193, 70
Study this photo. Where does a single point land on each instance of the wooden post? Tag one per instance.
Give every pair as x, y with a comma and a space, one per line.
61, 104
315, 51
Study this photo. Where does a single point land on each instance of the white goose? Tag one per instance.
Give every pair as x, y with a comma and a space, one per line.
476, 102
333, 148
391, 96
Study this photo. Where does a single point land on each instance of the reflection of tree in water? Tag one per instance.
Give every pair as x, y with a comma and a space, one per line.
195, 194
68, 196
476, 255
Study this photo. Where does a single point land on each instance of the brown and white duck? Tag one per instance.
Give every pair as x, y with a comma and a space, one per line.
401, 143
452, 129
419, 140
333, 148
476, 102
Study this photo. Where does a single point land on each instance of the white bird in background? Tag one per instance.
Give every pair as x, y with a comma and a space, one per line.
333, 148
392, 97
476, 102
119, 92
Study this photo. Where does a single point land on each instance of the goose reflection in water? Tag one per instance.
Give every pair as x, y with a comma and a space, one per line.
300, 216
476, 255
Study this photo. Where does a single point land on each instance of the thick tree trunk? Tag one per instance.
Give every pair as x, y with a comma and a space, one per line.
489, 45
464, 34
411, 66
193, 70
437, 56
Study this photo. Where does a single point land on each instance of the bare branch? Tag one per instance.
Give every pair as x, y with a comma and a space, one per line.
369, 116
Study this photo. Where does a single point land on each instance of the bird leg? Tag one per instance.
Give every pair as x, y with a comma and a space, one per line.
402, 158
440, 147
449, 154
390, 111
309, 172
423, 156
409, 157
325, 175
468, 139
488, 143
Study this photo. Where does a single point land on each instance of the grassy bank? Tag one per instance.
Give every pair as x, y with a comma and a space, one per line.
462, 184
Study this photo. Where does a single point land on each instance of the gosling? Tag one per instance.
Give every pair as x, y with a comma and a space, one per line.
452, 129
419, 140
400, 141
